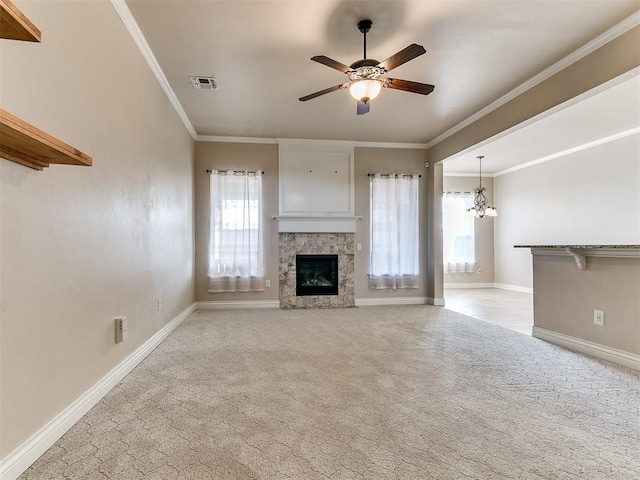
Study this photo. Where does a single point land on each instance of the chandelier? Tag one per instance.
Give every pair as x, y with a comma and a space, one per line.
480, 203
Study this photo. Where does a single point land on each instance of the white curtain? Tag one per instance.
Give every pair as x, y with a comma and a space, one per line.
236, 256
459, 248
394, 261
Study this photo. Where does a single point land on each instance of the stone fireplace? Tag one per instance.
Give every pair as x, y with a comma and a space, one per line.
316, 218
296, 245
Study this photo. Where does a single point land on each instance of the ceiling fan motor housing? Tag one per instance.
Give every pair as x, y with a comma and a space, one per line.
365, 62
364, 25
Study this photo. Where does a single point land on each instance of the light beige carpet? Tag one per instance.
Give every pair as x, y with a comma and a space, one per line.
412, 392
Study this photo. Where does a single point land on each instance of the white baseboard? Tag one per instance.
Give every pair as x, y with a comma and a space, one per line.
501, 286
590, 348
514, 288
435, 301
360, 302
21, 458
469, 285
218, 305
366, 302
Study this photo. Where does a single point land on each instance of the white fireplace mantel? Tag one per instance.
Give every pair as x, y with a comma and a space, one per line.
316, 223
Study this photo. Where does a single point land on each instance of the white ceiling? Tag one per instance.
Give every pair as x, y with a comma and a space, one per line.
259, 51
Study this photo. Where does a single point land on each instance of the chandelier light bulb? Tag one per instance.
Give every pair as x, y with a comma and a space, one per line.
365, 90
491, 212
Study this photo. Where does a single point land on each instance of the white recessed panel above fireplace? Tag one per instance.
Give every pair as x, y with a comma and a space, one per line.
316, 188
316, 183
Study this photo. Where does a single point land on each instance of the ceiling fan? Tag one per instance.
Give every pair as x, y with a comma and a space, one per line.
366, 76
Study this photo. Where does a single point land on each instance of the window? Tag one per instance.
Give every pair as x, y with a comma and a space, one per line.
394, 261
236, 257
459, 249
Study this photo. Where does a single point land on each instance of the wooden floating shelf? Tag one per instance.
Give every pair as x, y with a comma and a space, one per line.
14, 25
21, 142
25, 144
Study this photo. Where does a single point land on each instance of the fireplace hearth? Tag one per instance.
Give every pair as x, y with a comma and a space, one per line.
316, 275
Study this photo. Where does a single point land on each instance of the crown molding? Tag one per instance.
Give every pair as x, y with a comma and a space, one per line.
474, 175
219, 139
547, 113
349, 143
553, 156
409, 146
310, 142
134, 30
614, 32
563, 153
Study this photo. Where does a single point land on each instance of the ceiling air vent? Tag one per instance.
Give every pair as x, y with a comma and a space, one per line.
204, 83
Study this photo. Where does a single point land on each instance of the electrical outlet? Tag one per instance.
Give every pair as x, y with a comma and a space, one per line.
122, 329
358, 246
159, 303
598, 317
267, 283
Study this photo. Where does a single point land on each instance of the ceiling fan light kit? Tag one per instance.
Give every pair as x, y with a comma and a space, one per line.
365, 90
366, 76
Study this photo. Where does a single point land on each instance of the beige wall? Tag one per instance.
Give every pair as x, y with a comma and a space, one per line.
82, 245
435, 288
483, 233
385, 160
565, 298
586, 198
236, 156
265, 157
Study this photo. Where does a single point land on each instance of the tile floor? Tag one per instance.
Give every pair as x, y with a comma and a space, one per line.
512, 310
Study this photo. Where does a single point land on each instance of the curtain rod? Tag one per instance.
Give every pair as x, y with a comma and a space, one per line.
389, 175
455, 191
234, 171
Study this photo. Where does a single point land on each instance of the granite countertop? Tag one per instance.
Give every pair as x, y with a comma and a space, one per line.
622, 247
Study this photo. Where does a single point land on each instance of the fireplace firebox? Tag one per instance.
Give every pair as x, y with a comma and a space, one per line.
316, 275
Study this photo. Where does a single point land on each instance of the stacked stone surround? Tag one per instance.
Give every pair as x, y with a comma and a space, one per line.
292, 244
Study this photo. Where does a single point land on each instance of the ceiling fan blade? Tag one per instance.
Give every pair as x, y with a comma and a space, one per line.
403, 56
363, 108
322, 92
408, 86
329, 62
